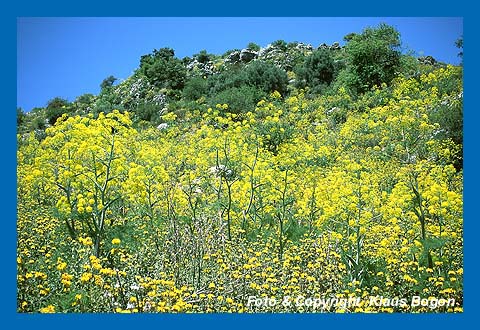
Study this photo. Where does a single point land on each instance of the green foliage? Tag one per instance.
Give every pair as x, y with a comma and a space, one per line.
84, 104
349, 36
148, 111
225, 80
242, 89
203, 56
281, 44
107, 101
374, 57
108, 82
163, 69
20, 116
266, 76
56, 108
409, 66
448, 113
459, 44
195, 88
317, 71
253, 46
239, 99
228, 52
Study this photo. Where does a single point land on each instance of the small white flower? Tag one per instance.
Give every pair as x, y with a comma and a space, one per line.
134, 287
162, 126
147, 306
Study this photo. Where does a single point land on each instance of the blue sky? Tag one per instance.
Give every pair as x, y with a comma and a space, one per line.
67, 57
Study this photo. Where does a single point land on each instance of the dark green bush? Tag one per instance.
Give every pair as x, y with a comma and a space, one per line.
317, 71
266, 76
373, 57
163, 69
239, 99
253, 46
56, 108
148, 112
195, 88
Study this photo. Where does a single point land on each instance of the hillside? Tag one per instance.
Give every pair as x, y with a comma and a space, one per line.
264, 179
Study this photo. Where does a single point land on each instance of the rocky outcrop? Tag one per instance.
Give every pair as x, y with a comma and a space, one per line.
300, 46
286, 59
246, 55
427, 60
334, 46
233, 57
205, 69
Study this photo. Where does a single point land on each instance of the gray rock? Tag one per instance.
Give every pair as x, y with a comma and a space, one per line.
246, 55
233, 57
303, 47
428, 60
335, 46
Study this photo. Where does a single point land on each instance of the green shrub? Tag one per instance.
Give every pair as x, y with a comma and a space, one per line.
373, 57
253, 46
195, 88
261, 75
163, 69
239, 99
317, 71
148, 111
56, 108
266, 76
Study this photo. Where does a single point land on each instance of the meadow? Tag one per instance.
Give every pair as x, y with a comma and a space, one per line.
325, 197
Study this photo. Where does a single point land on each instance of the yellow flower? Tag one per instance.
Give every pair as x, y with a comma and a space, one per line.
48, 309
86, 277
116, 241
61, 266
86, 241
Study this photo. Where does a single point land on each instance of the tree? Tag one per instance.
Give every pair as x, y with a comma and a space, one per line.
148, 111
266, 76
317, 71
202, 56
56, 107
350, 36
163, 70
459, 44
373, 57
20, 116
108, 82
195, 88
281, 44
253, 46
84, 103
239, 99
262, 75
